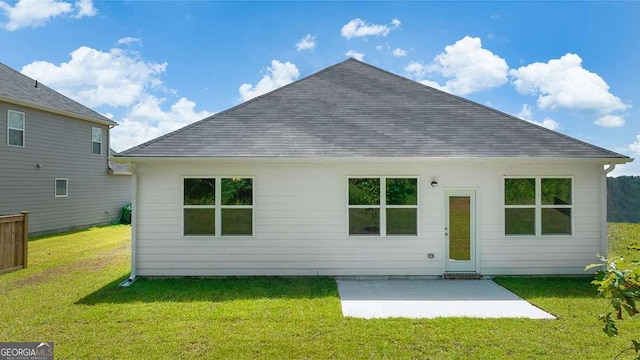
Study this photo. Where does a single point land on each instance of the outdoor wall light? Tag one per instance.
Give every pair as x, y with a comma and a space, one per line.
38, 166
434, 183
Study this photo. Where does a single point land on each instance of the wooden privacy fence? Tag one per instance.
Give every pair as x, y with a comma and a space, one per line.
14, 238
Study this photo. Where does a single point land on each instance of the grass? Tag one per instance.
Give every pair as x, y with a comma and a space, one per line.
69, 295
622, 235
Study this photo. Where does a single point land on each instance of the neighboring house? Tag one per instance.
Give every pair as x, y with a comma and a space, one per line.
54, 159
357, 171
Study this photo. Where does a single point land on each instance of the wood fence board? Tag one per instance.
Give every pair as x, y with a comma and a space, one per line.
14, 237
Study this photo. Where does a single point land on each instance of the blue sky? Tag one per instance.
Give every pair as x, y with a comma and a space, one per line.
155, 66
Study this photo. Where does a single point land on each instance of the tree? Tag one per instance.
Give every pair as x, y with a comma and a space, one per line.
619, 281
623, 199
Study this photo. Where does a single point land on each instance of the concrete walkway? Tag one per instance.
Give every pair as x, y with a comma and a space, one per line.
415, 299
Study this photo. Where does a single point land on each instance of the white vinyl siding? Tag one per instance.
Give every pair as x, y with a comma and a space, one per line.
301, 221
96, 141
61, 187
15, 128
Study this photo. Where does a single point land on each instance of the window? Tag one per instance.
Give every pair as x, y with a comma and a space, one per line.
538, 206
218, 206
61, 187
15, 128
96, 141
383, 206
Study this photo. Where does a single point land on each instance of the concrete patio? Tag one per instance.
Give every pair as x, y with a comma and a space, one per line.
416, 299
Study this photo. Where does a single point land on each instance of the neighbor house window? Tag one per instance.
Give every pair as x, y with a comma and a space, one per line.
61, 188
15, 128
383, 206
218, 206
96, 141
538, 206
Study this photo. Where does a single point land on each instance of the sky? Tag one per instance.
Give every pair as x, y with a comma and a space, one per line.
156, 66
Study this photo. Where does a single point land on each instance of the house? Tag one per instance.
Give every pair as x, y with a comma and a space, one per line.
54, 159
358, 171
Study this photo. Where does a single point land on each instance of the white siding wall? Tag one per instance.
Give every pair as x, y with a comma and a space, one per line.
301, 223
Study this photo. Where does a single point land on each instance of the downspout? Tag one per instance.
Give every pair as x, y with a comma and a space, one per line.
603, 209
134, 220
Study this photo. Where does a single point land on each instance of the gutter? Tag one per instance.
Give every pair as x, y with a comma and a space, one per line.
603, 208
134, 221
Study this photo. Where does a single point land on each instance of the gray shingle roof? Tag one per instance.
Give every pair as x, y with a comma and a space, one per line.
353, 109
117, 168
20, 89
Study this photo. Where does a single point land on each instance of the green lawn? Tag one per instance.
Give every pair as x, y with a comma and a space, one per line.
69, 295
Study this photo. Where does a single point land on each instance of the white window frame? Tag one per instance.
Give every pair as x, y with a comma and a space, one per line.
382, 206
218, 206
538, 206
93, 128
66, 188
24, 128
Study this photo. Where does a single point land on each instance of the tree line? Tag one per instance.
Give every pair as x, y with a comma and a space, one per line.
623, 199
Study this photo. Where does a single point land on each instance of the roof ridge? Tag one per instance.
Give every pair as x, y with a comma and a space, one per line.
242, 104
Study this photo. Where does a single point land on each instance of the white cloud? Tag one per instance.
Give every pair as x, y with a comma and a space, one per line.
432, 84
635, 146
494, 17
146, 120
85, 8
416, 68
399, 52
278, 74
358, 28
610, 121
35, 13
379, 47
119, 78
94, 78
354, 54
128, 40
628, 169
308, 42
468, 66
564, 84
525, 113
547, 123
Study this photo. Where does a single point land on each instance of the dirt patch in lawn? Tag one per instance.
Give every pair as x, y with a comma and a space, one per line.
91, 264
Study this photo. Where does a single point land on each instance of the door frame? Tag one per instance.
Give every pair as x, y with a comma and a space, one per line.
473, 264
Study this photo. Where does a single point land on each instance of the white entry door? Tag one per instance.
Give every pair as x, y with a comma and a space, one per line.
460, 231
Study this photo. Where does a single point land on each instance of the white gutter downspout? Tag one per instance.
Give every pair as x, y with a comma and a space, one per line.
603, 209
134, 220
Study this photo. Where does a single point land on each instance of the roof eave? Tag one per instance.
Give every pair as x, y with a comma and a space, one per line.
363, 159
59, 112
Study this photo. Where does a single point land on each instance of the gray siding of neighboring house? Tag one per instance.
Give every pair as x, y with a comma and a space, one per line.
62, 146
